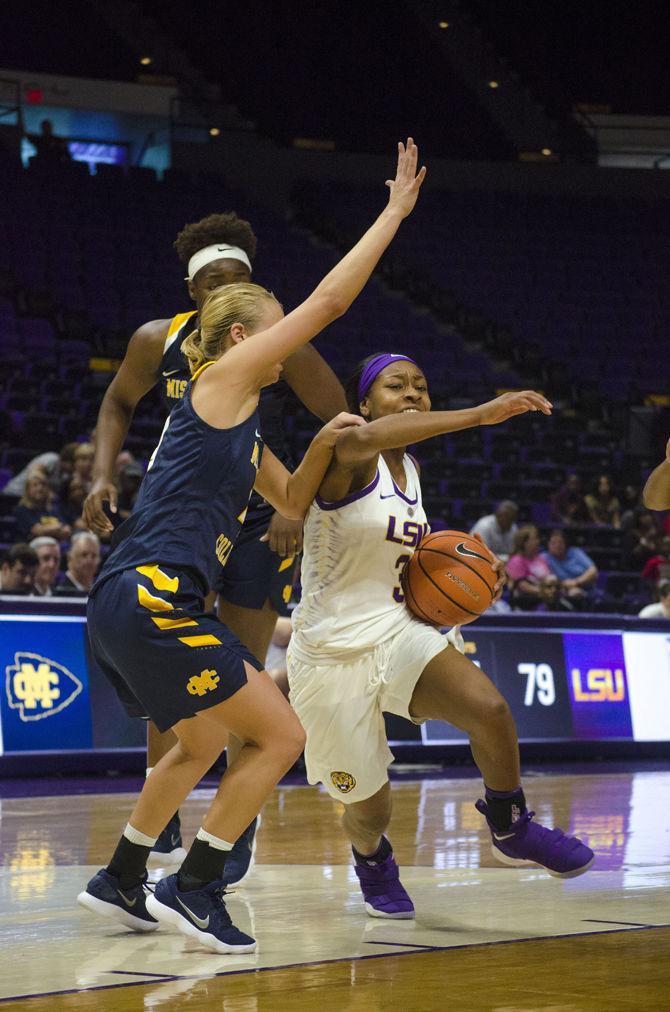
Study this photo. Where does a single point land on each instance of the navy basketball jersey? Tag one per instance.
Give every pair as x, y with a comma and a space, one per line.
194, 496
175, 375
175, 372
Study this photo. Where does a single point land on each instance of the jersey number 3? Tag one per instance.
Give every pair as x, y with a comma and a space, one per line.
400, 564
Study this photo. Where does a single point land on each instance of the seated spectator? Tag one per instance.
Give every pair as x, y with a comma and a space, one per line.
657, 569
603, 506
17, 572
48, 558
631, 506
83, 563
498, 529
526, 568
662, 608
576, 571
83, 464
567, 505
129, 481
72, 503
552, 597
56, 466
642, 540
36, 514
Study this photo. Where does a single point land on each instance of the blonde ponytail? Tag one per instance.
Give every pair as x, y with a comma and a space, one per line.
240, 303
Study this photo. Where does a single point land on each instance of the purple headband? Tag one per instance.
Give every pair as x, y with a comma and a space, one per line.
373, 369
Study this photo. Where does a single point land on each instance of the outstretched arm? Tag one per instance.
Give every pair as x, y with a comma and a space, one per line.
314, 383
251, 358
656, 492
392, 431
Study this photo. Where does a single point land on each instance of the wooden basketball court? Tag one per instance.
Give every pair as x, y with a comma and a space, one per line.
485, 936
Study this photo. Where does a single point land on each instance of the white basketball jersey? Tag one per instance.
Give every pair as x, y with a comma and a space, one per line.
354, 552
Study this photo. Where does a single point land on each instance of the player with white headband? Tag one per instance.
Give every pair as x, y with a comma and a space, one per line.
256, 583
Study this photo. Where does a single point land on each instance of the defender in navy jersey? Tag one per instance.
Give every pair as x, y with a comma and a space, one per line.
145, 614
256, 585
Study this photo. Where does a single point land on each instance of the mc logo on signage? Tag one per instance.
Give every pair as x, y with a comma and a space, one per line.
38, 687
600, 685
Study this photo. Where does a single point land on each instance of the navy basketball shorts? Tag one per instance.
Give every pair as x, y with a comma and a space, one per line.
254, 574
165, 656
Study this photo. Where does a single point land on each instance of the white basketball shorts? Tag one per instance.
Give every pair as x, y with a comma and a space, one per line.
340, 706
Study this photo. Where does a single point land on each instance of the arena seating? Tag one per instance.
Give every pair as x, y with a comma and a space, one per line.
87, 259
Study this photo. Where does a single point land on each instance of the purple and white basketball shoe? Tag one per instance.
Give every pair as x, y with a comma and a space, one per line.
527, 842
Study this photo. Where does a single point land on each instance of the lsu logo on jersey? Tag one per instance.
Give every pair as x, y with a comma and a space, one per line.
344, 782
38, 687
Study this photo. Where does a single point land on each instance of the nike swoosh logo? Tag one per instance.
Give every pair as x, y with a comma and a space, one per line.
462, 549
198, 921
503, 836
174, 840
171, 372
391, 495
257, 434
129, 903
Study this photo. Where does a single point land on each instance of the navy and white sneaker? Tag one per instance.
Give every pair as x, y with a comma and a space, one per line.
103, 895
200, 914
239, 859
168, 848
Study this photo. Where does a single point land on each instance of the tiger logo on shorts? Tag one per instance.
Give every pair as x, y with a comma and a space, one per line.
344, 782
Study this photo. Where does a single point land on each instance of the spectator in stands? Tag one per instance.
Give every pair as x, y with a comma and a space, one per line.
657, 569
83, 563
631, 506
567, 505
17, 573
576, 570
552, 597
36, 513
49, 149
499, 529
83, 464
72, 503
56, 466
642, 541
526, 568
48, 557
662, 608
603, 506
129, 481
656, 492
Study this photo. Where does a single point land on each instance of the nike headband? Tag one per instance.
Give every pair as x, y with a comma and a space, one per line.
219, 251
373, 369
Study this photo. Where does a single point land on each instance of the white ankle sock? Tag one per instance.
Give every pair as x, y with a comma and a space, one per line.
149, 769
141, 839
213, 841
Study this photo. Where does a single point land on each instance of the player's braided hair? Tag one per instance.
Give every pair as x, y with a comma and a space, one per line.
240, 303
215, 228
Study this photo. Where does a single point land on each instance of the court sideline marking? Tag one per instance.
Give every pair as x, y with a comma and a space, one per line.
320, 962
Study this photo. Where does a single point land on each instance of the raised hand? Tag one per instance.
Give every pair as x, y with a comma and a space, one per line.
405, 187
514, 403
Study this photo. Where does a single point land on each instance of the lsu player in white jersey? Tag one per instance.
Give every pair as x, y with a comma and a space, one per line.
357, 651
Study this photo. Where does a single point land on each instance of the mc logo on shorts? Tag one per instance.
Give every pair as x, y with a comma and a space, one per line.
206, 681
344, 782
38, 687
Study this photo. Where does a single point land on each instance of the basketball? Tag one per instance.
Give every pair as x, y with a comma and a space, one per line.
450, 579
